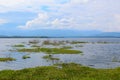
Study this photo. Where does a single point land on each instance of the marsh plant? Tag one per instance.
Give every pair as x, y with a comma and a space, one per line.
35, 45
5, 59
50, 50
19, 45
115, 59
26, 56
78, 42
67, 47
54, 43
34, 42
79, 46
69, 71
50, 57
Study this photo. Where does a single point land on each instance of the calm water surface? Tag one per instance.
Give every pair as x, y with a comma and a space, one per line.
96, 55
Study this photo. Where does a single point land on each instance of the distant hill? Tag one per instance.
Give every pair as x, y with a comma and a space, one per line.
109, 34
58, 33
51, 33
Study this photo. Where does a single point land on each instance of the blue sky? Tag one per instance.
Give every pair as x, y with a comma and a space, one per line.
18, 16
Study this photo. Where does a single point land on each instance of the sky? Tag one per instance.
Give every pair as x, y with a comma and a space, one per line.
18, 16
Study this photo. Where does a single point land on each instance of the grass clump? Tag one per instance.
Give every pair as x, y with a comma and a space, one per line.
66, 47
25, 57
7, 59
34, 42
79, 46
77, 42
67, 72
35, 46
50, 50
19, 45
54, 43
103, 42
50, 57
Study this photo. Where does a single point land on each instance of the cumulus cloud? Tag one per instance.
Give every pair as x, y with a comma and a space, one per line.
40, 22
46, 21
68, 14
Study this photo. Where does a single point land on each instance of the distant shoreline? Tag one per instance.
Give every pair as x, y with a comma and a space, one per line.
59, 37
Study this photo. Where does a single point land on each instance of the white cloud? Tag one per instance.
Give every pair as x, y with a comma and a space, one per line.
3, 21
114, 25
45, 21
73, 14
33, 5
117, 18
23, 5
79, 1
40, 21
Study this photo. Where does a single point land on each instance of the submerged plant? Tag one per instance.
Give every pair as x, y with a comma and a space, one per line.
79, 46
34, 42
103, 42
50, 57
115, 59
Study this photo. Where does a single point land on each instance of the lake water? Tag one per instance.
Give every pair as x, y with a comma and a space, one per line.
96, 54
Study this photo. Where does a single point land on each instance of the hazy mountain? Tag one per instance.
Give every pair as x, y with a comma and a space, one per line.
55, 33
109, 34
60, 33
